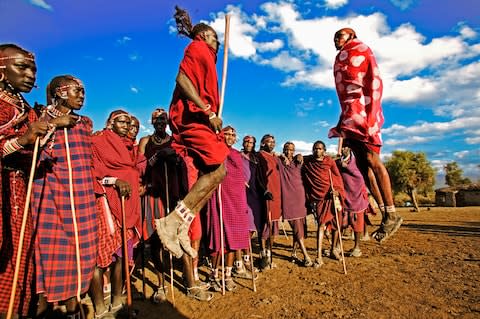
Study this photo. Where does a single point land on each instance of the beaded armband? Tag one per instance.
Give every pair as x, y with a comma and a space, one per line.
109, 181
184, 212
11, 146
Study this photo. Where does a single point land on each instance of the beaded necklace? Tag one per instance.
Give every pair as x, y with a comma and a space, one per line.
160, 140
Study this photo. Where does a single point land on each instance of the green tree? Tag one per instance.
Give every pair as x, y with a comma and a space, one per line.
411, 173
454, 175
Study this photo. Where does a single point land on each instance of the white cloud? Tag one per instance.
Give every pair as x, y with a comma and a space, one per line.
402, 4
42, 4
134, 89
432, 128
124, 40
411, 140
461, 154
467, 32
414, 68
335, 4
270, 46
134, 57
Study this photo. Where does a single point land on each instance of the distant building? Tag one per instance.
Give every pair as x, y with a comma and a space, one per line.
458, 196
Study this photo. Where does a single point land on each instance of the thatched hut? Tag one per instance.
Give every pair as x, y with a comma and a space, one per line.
458, 196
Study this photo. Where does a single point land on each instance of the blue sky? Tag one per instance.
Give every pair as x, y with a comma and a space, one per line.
280, 64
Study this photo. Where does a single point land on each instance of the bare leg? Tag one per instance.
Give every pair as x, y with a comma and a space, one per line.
320, 233
72, 306
173, 229
96, 291
42, 305
117, 283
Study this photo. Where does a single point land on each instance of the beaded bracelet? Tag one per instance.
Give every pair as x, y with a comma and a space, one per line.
11, 146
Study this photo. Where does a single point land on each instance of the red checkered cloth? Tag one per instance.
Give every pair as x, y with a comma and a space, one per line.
14, 177
55, 250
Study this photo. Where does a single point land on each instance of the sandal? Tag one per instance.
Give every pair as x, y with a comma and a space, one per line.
199, 294
336, 254
387, 229
244, 274
116, 308
318, 263
75, 315
230, 285
159, 296
308, 262
355, 252
104, 315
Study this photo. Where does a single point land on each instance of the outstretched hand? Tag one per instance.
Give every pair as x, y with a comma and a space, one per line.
35, 129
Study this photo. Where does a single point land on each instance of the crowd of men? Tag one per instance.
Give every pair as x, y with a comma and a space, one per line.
76, 203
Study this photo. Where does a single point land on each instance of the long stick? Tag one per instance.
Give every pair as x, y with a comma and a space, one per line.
75, 226
225, 64
125, 260
222, 242
22, 230
270, 234
252, 270
168, 210
338, 224
144, 287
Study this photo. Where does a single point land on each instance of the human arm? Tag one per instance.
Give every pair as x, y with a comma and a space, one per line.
189, 90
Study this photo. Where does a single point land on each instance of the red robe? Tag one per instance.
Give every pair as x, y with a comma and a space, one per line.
15, 169
359, 89
316, 178
270, 176
114, 156
190, 126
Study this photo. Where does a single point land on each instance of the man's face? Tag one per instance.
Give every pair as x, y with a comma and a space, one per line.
341, 38
345, 151
248, 145
75, 95
20, 70
289, 150
133, 129
230, 137
318, 150
160, 123
211, 39
121, 125
269, 144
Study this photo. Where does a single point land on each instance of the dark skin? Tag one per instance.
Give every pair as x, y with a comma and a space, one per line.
74, 101
121, 126
20, 72
207, 183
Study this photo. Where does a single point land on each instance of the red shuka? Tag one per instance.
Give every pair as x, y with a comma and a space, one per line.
190, 125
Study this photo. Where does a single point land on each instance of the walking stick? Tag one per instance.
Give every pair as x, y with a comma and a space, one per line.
222, 243
225, 64
75, 226
22, 230
335, 201
169, 253
270, 234
144, 288
252, 270
125, 260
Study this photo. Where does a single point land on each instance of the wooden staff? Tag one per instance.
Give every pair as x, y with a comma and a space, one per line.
335, 199
125, 260
270, 234
169, 253
252, 270
75, 226
144, 288
225, 64
22, 229
222, 241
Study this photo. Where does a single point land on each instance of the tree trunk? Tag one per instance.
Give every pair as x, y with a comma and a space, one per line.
413, 196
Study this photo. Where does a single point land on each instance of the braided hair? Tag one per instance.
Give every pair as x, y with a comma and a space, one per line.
185, 26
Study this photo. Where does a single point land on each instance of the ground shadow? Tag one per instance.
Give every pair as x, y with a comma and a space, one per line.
471, 229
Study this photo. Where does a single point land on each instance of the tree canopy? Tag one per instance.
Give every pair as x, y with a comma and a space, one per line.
411, 173
454, 175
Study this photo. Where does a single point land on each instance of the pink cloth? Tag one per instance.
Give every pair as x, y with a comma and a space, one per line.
359, 89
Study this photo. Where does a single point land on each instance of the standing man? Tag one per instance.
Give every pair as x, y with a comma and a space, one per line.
58, 224
19, 129
194, 124
269, 165
359, 89
117, 176
319, 172
293, 200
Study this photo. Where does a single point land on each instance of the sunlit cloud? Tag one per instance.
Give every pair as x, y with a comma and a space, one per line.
41, 4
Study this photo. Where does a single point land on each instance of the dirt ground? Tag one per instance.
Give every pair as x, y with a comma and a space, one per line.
429, 269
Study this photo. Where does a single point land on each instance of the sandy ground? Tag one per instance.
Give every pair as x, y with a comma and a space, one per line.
429, 269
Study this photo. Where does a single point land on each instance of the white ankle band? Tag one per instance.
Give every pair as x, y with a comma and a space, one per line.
184, 212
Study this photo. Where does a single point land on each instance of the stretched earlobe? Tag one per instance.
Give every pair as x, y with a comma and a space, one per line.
2, 77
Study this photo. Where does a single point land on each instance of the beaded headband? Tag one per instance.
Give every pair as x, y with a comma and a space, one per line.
30, 57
